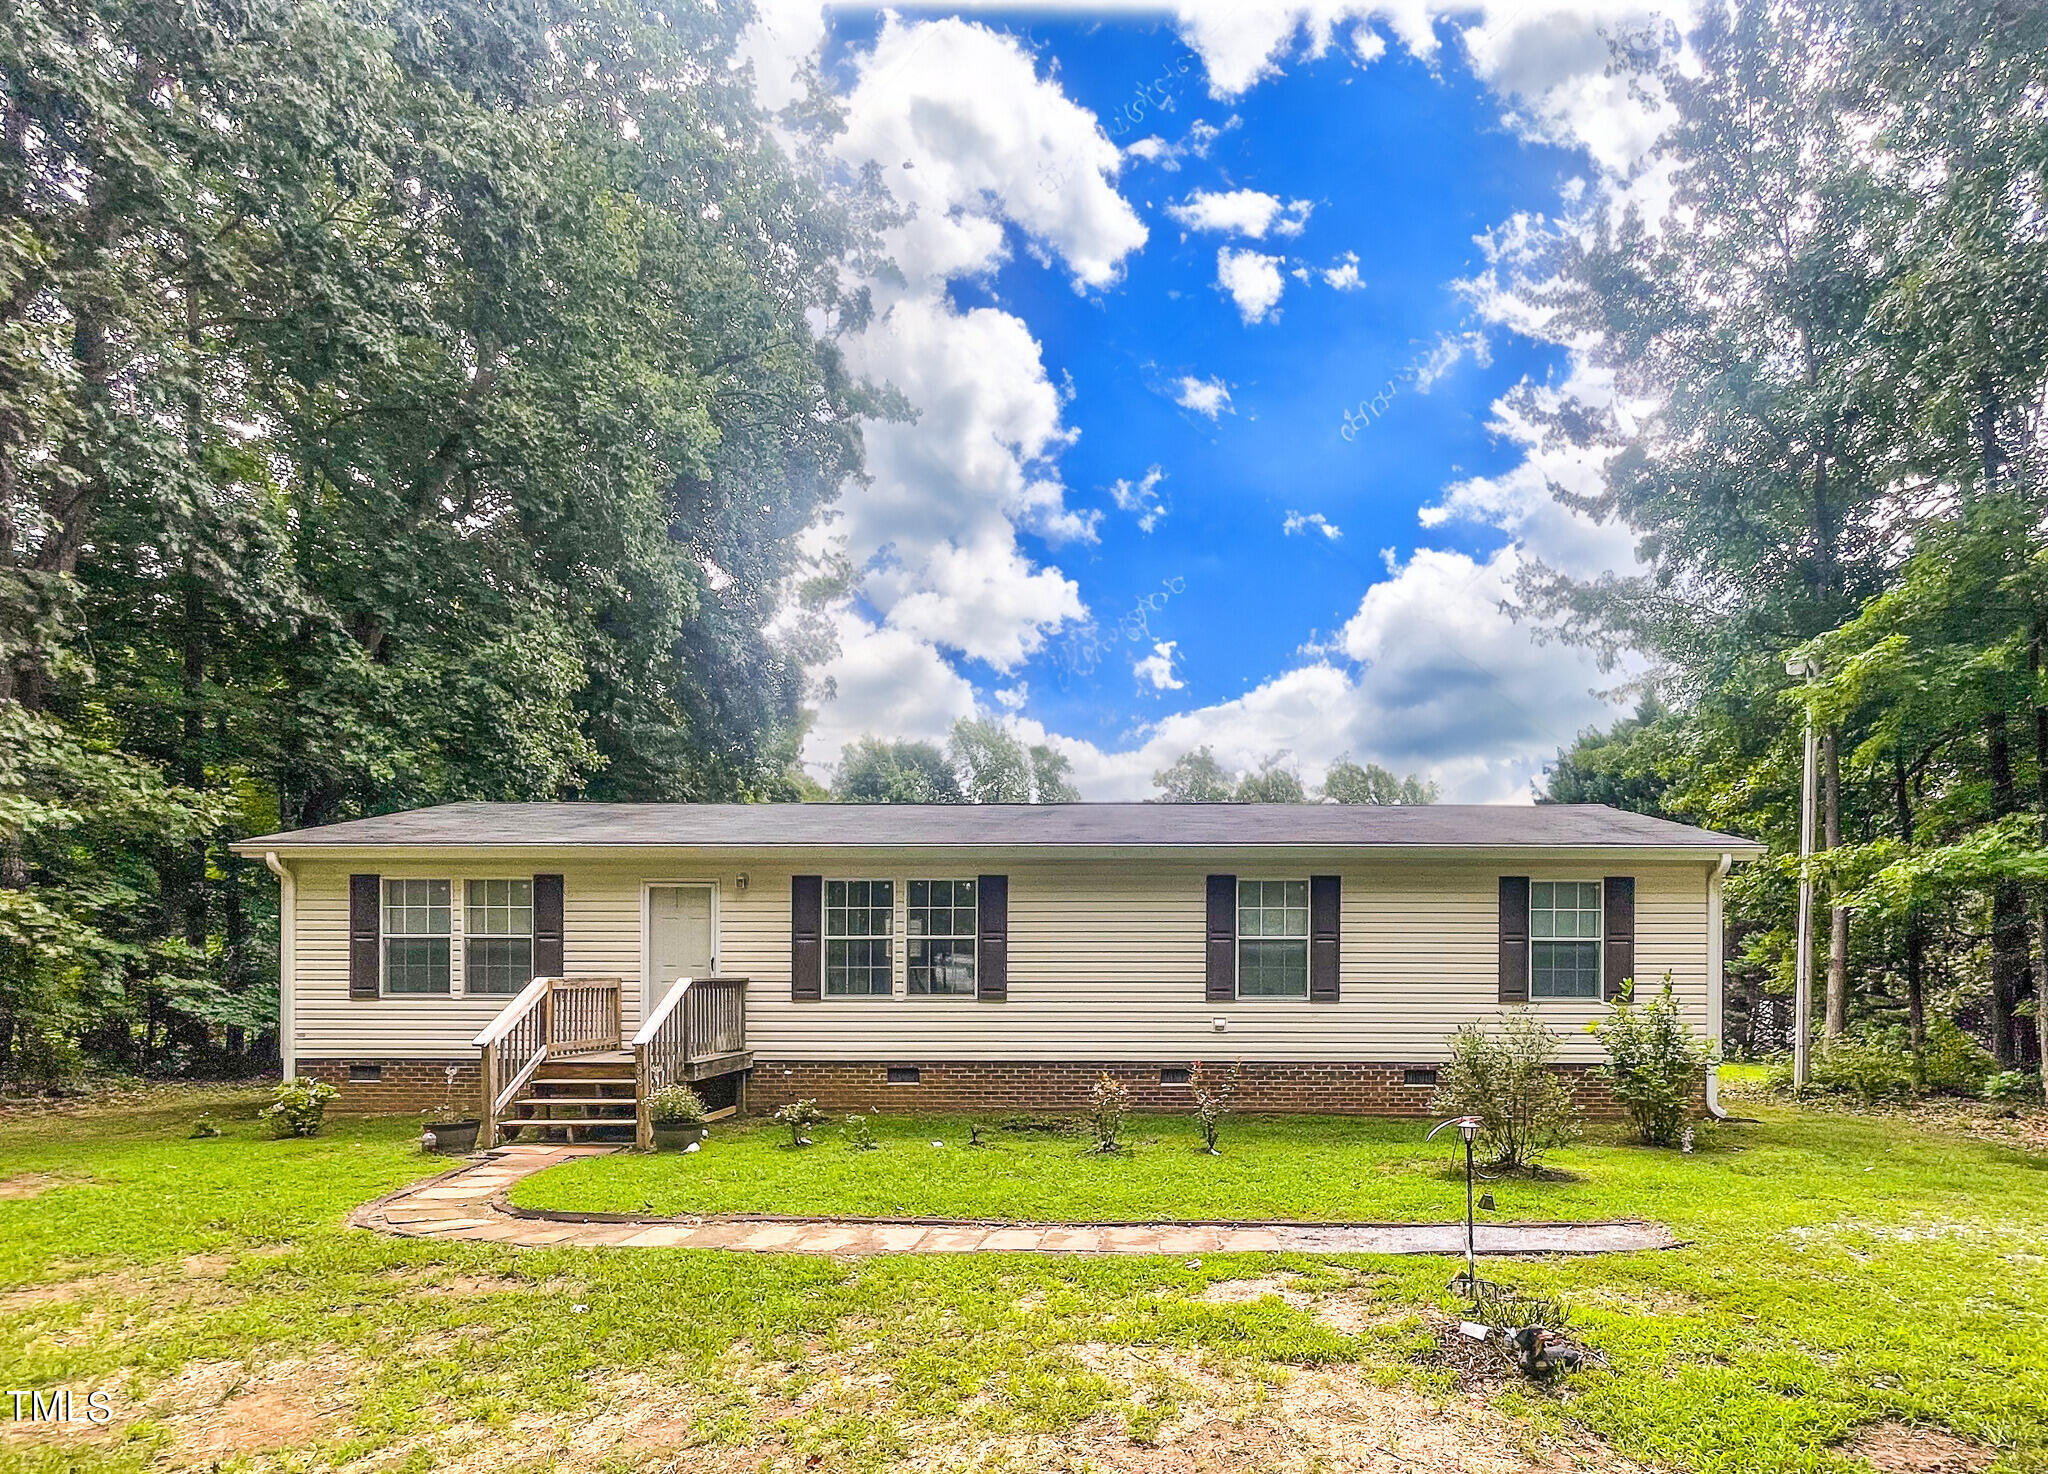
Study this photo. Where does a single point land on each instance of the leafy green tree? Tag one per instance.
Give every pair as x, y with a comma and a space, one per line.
1273, 783
1348, 783
1628, 766
400, 401
872, 771
1195, 778
1051, 776
994, 766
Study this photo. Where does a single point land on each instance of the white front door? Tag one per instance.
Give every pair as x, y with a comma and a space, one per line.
681, 938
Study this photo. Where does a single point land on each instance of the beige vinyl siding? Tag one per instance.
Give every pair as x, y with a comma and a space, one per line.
1105, 959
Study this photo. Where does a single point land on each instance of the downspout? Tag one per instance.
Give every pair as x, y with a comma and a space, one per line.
1716, 981
287, 952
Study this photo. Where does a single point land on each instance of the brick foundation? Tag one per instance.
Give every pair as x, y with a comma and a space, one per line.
1334, 1088
403, 1085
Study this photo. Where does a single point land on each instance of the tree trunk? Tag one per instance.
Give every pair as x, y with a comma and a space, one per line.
1838, 916
2009, 960
1916, 936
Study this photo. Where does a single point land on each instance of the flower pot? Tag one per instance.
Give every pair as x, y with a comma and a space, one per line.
673, 1136
454, 1138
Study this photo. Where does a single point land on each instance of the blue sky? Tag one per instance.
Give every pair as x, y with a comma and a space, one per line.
1127, 519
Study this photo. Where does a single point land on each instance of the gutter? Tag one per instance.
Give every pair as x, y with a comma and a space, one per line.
1716, 982
287, 957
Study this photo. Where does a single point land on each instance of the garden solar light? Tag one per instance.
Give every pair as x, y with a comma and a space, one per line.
1468, 1127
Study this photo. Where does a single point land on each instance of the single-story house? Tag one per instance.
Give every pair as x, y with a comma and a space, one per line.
950, 957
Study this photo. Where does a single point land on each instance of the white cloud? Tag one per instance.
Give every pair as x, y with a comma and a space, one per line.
1012, 698
1157, 667
1344, 275
1209, 396
1296, 523
1252, 280
1141, 497
885, 681
1247, 212
1154, 150
1450, 349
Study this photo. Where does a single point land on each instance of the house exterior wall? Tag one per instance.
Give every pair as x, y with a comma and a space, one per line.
1106, 960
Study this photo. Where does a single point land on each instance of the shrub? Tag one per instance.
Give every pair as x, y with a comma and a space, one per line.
1655, 1064
860, 1134
298, 1106
676, 1105
1524, 1107
1109, 1106
1868, 1067
1955, 1064
1212, 1104
2010, 1089
801, 1117
205, 1128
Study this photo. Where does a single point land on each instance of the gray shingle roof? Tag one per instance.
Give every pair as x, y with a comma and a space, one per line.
797, 826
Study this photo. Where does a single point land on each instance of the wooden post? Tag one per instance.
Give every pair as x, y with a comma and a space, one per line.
490, 1074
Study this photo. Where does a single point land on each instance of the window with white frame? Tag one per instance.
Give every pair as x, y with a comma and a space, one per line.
1272, 939
497, 946
417, 917
1564, 939
939, 929
860, 919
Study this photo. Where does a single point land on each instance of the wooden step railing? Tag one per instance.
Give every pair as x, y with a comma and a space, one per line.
552, 1018
700, 1021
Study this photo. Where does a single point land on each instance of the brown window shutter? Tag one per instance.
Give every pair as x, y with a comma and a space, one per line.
992, 937
1325, 936
1618, 957
1514, 939
1221, 952
547, 926
365, 936
806, 937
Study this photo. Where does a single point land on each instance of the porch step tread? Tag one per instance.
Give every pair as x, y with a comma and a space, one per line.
575, 1100
585, 1080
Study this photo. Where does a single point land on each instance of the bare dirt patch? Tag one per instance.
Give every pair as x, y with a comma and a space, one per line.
34, 1184
1900, 1448
1249, 1292
1334, 1420
218, 1410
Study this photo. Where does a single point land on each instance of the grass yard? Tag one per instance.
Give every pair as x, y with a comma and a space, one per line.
1846, 1275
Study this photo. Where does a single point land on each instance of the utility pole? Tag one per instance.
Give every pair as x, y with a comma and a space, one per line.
1802, 986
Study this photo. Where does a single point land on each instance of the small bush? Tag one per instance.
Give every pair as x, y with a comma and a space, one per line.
676, 1105
1655, 1066
2009, 1090
1212, 1102
1956, 1064
1869, 1068
204, 1128
801, 1117
860, 1133
1524, 1107
298, 1107
1109, 1106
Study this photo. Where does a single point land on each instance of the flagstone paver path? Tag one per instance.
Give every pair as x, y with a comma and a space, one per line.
469, 1203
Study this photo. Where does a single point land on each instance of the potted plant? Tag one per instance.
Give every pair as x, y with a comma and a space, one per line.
452, 1135
678, 1113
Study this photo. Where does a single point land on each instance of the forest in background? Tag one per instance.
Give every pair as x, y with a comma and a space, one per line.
402, 402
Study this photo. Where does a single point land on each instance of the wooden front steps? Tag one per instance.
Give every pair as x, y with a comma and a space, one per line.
557, 1059
591, 1097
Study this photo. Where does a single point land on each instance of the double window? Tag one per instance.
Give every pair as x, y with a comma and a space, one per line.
860, 921
419, 936
497, 952
418, 924
1564, 939
941, 927
1272, 939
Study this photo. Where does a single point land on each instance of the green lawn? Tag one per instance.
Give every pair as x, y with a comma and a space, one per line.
1311, 1168
1844, 1272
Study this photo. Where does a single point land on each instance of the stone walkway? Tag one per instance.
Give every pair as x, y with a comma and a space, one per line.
469, 1204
